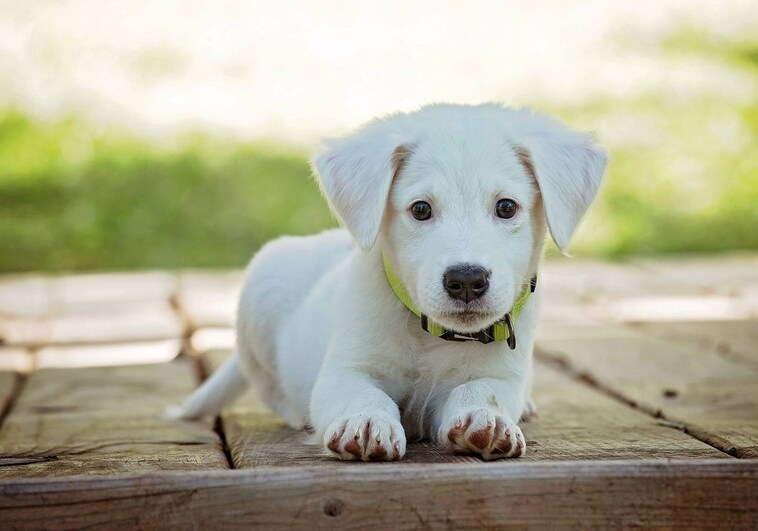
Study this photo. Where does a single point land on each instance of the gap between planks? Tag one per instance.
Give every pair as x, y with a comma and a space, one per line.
188, 329
566, 367
257, 438
218, 422
107, 420
19, 381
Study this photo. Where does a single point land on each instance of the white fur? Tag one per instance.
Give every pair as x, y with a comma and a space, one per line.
325, 340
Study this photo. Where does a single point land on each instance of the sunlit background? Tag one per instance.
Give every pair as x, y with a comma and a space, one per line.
177, 133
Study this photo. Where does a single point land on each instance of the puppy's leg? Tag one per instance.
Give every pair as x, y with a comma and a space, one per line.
356, 419
530, 406
480, 417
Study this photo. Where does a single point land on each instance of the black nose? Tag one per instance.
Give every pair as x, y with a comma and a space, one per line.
466, 282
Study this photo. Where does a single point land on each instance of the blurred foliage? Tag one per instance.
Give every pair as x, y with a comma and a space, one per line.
683, 178
70, 200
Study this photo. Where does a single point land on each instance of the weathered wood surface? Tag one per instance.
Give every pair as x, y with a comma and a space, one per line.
137, 322
587, 292
52, 321
734, 340
646, 381
105, 354
704, 494
711, 397
18, 359
8, 382
36, 296
105, 421
575, 423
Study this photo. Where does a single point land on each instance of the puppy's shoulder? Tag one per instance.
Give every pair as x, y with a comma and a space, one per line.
326, 243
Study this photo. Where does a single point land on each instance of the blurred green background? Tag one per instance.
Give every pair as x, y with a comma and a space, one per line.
77, 195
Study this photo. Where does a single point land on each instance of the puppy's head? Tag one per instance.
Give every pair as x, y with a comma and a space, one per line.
458, 198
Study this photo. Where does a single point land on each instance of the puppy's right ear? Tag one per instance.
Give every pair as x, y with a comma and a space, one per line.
568, 167
356, 173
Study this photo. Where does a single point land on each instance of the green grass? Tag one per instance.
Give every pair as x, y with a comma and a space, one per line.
73, 199
688, 183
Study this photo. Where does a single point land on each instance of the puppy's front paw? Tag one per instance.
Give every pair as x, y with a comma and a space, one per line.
367, 437
485, 433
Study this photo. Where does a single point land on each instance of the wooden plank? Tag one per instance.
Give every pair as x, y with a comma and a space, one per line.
575, 423
37, 296
733, 340
152, 320
16, 359
749, 294
561, 331
676, 289
592, 281
703, 494
8, 382
711, 397
212, 339
103, 355
85, 293
209, 299
718, 274
105, 421
659, 307
24, 295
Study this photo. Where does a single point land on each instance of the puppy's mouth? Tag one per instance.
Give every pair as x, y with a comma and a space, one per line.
467, 320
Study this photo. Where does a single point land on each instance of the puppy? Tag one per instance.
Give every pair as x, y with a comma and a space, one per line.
417, 320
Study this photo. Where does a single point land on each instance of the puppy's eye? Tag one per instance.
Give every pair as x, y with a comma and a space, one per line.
506, 208
421, 210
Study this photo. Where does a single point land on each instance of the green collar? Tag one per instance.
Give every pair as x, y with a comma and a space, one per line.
501, 330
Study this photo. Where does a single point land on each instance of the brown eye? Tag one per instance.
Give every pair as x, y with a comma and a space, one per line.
506, 208
421, 210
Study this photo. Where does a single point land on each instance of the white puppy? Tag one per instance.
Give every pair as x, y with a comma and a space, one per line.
446, 211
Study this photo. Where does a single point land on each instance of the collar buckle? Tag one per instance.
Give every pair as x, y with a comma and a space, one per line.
511, 341
483, 336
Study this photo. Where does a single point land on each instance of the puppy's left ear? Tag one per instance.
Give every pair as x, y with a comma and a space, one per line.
568, 167
356, 173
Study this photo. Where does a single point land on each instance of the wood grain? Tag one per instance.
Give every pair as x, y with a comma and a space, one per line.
711, 397
105, 421
575, 423
703, 494
736, 341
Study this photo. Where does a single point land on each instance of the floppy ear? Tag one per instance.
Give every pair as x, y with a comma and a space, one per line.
356, 173
568, 168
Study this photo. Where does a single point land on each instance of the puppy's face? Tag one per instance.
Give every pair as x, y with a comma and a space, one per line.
463, 223
461, 196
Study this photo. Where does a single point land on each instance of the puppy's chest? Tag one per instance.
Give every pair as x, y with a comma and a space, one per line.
433, 369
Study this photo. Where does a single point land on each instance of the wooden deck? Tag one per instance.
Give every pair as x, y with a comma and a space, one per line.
647, 387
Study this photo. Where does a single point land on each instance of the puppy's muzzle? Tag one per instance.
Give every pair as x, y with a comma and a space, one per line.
466, 282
